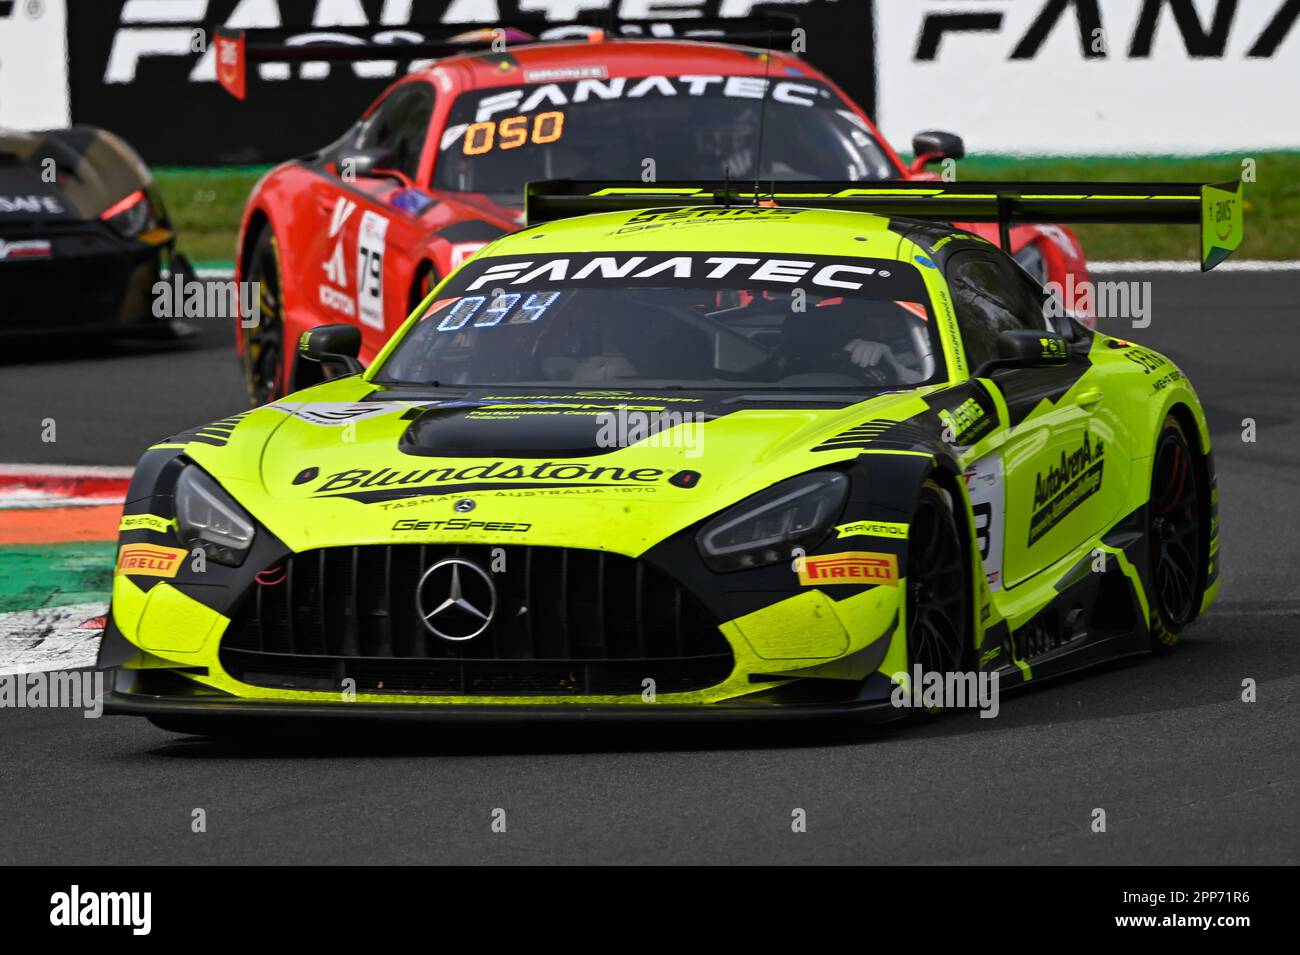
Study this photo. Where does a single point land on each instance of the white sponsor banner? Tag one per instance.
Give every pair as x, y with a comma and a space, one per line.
33, 64
1036, 76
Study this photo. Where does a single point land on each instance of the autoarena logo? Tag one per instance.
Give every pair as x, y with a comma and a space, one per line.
366, 479
1065, 484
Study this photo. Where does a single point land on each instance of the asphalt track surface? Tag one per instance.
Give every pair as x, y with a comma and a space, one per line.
1185, 771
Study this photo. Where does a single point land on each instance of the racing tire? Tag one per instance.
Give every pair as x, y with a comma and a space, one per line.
425, 281
939, 619
1175, 537
263, 351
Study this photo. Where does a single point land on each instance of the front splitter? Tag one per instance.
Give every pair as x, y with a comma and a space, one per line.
133, 704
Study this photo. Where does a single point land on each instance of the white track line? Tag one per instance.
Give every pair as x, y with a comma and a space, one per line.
64, 471
1179, 265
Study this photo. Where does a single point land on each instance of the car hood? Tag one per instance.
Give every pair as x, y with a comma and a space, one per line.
346, 463
25, 196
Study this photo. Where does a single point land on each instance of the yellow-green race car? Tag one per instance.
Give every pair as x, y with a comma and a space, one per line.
686, 451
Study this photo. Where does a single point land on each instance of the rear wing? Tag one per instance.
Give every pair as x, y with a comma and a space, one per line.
236, 49
1216, 207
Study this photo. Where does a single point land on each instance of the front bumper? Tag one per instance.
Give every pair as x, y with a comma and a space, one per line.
286, 631
91, 280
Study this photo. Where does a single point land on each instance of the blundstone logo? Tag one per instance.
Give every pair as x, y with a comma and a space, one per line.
1065, 485
363, 478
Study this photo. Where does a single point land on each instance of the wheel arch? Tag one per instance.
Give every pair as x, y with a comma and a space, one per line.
258, 219
895, 482
426, 266
950, 480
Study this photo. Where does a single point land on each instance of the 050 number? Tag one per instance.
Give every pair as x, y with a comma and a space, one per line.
512, 132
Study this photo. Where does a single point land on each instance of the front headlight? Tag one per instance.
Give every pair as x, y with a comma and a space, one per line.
765, 528
209, 519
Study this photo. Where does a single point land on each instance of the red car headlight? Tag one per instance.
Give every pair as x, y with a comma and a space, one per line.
131, 216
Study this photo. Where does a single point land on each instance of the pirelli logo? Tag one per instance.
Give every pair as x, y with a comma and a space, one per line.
149, 560
851, 567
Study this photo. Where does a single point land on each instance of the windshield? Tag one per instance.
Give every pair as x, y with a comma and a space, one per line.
673, 319
688, 126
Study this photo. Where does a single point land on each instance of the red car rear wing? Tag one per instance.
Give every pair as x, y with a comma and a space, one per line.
1215, 207
237, 49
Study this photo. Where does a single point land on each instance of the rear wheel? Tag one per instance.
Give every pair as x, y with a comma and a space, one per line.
264, 342
1175, 536
938, 604
425, 280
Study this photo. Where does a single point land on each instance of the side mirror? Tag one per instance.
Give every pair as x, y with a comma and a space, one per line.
1023, 348
365, 162
326, 352
934, 145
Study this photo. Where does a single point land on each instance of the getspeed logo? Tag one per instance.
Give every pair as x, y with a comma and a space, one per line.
463, 524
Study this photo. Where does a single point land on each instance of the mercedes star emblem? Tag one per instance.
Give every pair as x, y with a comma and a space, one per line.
464, 505
456, 599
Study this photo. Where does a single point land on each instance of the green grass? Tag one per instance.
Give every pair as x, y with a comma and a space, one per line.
206, 204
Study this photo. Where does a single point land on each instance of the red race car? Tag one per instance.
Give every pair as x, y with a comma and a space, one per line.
360, 231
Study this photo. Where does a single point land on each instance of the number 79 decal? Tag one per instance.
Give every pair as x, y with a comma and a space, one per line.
371, 235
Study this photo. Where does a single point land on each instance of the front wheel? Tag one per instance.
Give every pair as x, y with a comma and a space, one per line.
263, 351
938, 602
1175, 537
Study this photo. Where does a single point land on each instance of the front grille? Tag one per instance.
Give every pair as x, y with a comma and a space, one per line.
567, 621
